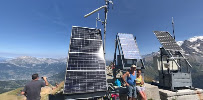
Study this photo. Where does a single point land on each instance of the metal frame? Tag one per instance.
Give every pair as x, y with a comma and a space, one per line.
170, 78
106, 6
123, 69
83, 94
119, 47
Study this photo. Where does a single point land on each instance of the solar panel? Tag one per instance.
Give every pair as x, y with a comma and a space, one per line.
86, 64
129, 46
167, 41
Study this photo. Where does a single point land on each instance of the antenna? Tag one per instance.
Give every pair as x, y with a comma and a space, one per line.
173, 28
98, 19
106, 6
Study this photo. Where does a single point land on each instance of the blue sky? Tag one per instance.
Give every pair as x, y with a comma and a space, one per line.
41, 28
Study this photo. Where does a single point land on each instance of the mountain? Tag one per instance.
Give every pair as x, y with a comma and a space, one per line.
27, 61
11, 84
21, 68
3, 59
193, 50
193, 46
56, 78
17, 72
180, 43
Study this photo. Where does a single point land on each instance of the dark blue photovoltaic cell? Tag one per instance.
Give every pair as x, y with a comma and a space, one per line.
167, 40
129, 46
86, 63
83, 82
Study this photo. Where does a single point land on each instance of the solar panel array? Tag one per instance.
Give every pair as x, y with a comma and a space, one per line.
86, 64
129, 46
167, 40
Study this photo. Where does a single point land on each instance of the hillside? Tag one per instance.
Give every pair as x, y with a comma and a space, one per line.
11, 85
16, 72
22, 68
15, 94
12, 95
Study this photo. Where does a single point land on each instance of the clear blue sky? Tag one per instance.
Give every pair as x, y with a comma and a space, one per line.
42, 28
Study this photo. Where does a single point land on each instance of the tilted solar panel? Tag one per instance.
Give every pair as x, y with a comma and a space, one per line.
86, 63
167, 41
129, 46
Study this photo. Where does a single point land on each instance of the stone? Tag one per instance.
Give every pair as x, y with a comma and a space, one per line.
184, 94
152, 92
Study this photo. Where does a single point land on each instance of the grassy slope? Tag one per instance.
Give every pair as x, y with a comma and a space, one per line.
12, 95
9, 85
15, 94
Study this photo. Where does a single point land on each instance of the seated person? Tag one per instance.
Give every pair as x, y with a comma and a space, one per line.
139, 85
130, 83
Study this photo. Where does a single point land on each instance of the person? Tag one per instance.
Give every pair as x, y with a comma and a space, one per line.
130, 83
140, 85
33, 88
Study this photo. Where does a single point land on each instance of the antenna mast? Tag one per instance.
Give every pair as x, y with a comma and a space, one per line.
173, 28
106, 6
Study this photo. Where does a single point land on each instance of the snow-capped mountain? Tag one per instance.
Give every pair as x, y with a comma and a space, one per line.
195, 38
193, 46
180, 42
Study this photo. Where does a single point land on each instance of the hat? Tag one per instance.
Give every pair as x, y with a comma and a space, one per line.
133, 66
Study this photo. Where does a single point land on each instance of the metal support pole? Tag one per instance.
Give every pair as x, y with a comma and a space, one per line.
142, 63
185, 59
174, 59
162, 69
105, 22
173, 28
114, 60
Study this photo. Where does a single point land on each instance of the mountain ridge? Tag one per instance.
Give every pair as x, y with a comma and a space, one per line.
21, 68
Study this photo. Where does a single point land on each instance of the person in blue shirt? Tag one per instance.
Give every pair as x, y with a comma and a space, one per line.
131, 82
